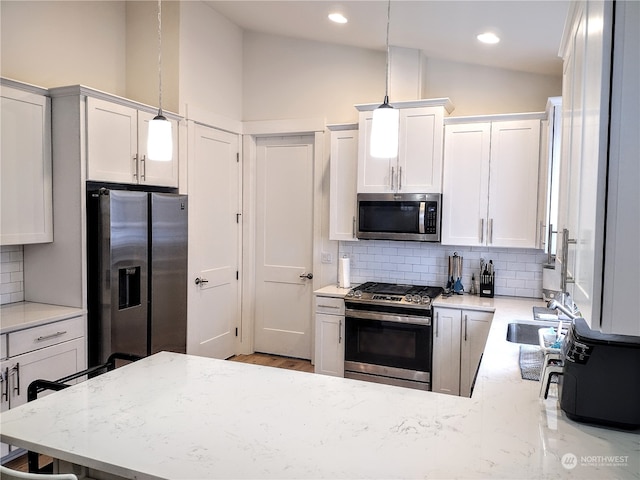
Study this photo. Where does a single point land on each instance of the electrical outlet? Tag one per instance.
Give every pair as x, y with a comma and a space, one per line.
327, 257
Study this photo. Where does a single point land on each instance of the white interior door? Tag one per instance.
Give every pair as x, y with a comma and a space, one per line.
284, 245
214, 236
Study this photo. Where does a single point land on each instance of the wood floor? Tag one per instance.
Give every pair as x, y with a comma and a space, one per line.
275, 361
265, 359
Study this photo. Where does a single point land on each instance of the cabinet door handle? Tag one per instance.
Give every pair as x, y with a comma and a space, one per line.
143, 162
399, 178
465, 327
437, 323
549, 239
135, 167
5, 379
353, 227
564, 273
48, 337
490, 234
392, 177
340, 331
482, 230
16, 370
327, 306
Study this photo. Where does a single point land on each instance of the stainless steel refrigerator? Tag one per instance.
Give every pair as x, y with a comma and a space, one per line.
137, 272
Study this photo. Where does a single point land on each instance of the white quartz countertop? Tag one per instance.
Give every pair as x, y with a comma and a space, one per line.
333, 291
21, 315
177, 416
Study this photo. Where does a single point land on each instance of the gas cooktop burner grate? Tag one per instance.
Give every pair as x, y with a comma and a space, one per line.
391, 293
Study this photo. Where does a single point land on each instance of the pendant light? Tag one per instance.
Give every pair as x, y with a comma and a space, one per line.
160, 138
384, 125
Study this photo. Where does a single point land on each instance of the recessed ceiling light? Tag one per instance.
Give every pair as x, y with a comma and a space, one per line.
337, 18
488, 37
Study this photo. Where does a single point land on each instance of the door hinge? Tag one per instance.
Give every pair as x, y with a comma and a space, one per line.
238, 217
237, 275
236, 331
238, 157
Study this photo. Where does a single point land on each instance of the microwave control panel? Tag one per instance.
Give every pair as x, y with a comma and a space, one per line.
431, 218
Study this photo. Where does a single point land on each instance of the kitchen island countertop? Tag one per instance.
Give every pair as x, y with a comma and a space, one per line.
178, 416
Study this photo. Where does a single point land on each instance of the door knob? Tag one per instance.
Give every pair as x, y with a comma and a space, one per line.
307, 275
201, 280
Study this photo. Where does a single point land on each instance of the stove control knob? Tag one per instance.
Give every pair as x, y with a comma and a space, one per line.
350, 293
425, 300
357, 293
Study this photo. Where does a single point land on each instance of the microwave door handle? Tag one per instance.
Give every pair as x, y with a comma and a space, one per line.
421, 217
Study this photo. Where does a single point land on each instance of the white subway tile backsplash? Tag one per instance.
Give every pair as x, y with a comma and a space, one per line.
11, 274
518, 271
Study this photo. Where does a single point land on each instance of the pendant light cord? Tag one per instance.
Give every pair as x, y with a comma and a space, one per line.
386, 84
160, 57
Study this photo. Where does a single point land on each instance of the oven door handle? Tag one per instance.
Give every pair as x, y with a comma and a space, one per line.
423, 206
387, 317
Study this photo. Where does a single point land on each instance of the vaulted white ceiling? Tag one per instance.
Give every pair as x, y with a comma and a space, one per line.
530, 30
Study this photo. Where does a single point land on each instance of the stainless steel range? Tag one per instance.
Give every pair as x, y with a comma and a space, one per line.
388, 334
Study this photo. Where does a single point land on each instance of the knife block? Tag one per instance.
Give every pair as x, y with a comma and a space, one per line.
487, 284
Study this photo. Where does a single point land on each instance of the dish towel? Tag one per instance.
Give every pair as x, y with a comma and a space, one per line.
531, 358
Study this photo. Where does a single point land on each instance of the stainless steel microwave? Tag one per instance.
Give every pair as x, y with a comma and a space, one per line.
399, 216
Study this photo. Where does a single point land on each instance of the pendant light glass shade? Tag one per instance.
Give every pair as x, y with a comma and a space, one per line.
384, 131
386, 119
160, 139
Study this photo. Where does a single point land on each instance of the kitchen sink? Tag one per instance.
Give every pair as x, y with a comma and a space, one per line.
527, 333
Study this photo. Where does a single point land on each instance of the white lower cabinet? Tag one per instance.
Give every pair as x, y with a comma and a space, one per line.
49, 352
329, 341
459, 337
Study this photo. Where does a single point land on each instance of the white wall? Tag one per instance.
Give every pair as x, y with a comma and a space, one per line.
51, 44
210, 64
477, 90
287, 78
211, 67
112, 46
142, 53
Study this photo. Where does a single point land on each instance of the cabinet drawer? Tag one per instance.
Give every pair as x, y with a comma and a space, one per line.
330, 305
3, 347
34, 338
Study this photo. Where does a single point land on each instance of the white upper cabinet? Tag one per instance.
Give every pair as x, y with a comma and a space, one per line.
25, 167
342, 189
490, 181
513, 184
465, 183
117, 146
418, 166
586, 165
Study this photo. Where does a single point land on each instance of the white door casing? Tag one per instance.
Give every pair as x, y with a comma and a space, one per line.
214, 242
284, 245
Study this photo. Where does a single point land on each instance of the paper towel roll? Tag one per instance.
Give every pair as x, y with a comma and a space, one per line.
551, 282
344, 273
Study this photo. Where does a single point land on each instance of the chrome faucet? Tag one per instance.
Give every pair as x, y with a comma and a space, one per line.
571, 312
